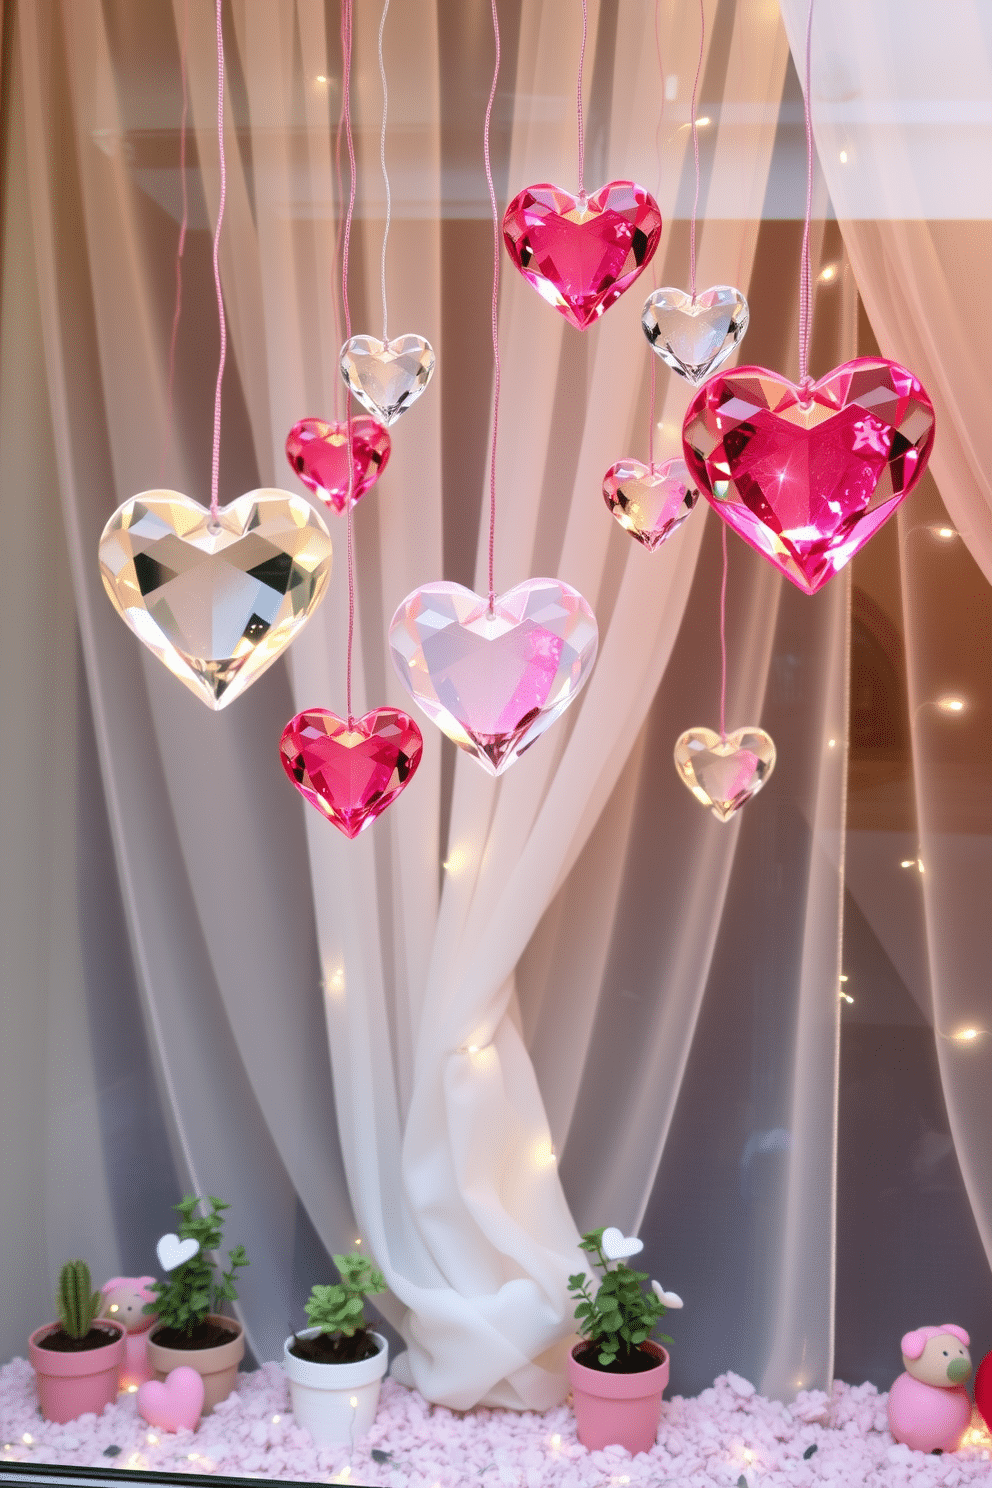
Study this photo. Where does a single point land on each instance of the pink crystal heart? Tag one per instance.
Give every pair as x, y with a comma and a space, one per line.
318, 452
351, 772
650, 502
694, 336
174, 1404
724, 773
494, 680
808, 477
581, 252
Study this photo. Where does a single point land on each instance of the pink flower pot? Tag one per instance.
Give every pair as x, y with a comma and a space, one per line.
69, 1385
618, 1409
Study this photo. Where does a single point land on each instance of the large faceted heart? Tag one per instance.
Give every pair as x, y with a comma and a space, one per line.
581, 252
808, 477
216, 602
387, 377
350, 772
650, 503
494, 680
724, 773
695, 336
318, 452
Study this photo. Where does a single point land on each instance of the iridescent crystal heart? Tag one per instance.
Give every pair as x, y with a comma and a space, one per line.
724, 773
351, 771
581, 252
650, 502
387, 377
216, 602
695, 336
808, 476
318, 452
494, 680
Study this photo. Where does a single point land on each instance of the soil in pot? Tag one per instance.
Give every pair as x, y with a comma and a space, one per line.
205, 1335
627, 1361
328, 1348
61, 1342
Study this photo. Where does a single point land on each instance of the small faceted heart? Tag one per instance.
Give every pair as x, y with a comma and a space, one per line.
387, 377
318, 452
695, 336
173, 1252
724, 773
619, 1247
351, 771
175, 1403
581, 252
216, 602
650, 502
494, 679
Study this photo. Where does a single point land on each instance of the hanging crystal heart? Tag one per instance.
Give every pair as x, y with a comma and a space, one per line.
650, 502
494, 680
808, 475
216, 602
351, 771
318, 452
387, 377
581, 252
724, 773
696, 336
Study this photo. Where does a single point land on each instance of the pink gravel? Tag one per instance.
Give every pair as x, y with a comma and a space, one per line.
728, 1435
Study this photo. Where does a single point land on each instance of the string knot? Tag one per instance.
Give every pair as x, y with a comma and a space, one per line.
805, 391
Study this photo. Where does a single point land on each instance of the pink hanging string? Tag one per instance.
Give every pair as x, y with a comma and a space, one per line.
651, 417
805, 288
346, 39
723, 638
695, 151
657, 189
167, 434
335, 310
495, 305
215, 457
578, 98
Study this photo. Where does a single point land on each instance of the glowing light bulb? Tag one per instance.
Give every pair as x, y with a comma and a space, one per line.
945, 532
831, 743
830, 272
843, 157
276, 1420
966, 1035
951, 705
353, 1402
908, 863
702, 123
556, 1441
27, 1439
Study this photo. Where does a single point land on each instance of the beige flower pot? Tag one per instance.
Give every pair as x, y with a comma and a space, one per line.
217, 1366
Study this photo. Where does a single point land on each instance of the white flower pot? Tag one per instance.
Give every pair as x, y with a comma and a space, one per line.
335, 1402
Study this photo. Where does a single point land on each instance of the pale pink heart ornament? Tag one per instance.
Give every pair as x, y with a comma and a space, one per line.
175, 1403
724, 774
650, 502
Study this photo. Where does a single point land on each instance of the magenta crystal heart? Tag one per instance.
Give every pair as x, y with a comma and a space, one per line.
494, 680
581, 252
808, 478
350, 772
318, 452
650, 502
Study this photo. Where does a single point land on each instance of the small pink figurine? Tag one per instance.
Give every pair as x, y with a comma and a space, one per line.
123, 1299
929, 1408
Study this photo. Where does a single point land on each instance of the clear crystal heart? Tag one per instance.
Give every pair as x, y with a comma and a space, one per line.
216, 602
494, 680
351, 771
387, 377
695, 336
724, 773
650, 502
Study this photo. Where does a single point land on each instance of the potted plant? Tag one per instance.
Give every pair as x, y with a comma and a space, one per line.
619, 1372
335, 1366
190, 1328
76, 1360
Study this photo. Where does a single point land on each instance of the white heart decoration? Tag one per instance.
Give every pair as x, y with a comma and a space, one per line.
667, 1299
173, 1252
387, 377
617, 1246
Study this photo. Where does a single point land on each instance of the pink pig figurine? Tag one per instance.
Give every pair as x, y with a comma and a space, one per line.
929, 1408
123, 1300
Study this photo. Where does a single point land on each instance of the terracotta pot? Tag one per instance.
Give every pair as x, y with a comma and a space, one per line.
618, 1409
69, 1385
335, 1402
218, 1366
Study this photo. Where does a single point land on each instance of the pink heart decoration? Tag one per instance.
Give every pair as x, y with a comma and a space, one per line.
808, 477
650, 502
494, 680
318, 452
581, 252
174, 1404
351, 772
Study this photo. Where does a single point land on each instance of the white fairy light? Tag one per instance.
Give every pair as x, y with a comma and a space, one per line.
951, 704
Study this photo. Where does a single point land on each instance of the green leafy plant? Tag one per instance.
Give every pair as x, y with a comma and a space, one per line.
621, 1316
77, 1303
340, 1309
199, 1286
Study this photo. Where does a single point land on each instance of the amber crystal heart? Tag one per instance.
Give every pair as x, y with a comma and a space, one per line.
650, 502
581, 252
807, 476
351, 771
387, 377
216, 602
695, 336
318, 452
724, 773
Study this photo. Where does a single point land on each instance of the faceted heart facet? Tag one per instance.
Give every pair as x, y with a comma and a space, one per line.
387, 377
350, 772
318, 452
807, 477
650, 502
724, 773
494, 680
581, 252
216, 602
695, 336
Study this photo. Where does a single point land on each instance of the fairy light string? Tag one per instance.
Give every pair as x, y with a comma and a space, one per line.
346, 40
495, 302
215, 455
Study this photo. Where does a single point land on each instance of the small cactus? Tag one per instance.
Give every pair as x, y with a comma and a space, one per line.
78, 1304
